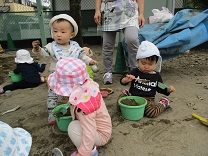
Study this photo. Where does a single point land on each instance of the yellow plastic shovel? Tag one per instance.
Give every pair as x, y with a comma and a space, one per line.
201, 119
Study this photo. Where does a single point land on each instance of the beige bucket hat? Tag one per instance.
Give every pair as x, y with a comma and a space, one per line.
66, 17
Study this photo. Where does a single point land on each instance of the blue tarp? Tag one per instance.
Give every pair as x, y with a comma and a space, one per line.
187, 29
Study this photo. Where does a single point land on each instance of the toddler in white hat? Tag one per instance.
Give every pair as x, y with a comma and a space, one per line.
29, 71
91, 125
146, 80
63, 29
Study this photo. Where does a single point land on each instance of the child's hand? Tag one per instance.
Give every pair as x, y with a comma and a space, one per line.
35, 45
128, 78
171, 89
88, 51
93, 62
78, 154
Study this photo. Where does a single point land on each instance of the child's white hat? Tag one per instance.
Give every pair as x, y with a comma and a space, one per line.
66, 17
14, 141
23, 56
147, 49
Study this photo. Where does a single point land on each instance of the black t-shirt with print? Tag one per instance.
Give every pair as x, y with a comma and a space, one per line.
145, 89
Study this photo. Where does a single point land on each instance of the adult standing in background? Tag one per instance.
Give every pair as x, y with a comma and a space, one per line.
113, 16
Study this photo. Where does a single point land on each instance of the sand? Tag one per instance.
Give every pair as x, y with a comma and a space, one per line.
174, 133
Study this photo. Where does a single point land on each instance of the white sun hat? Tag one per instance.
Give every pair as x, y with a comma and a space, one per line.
147, 49
14, 141
23, 56
66, 17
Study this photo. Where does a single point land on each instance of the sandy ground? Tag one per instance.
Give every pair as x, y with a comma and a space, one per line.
173, 133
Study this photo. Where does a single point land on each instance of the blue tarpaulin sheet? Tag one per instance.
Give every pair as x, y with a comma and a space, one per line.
187, 29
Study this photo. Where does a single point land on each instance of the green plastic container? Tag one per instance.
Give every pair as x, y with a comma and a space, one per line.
90, 72
15, 77
62, 122
133, 112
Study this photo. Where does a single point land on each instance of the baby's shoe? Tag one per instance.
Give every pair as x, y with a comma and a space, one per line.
108, 78
52, 122
94, 152
51, 119
74, 153
1, 90
56, 152
165, 102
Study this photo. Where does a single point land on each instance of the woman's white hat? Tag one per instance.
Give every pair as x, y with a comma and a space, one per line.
147, 49
23, 56
14, 141
66, 17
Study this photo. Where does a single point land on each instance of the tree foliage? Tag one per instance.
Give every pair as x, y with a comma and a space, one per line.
196, 4
75, 12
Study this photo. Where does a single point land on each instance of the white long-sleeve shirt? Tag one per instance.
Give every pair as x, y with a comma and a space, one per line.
49, 51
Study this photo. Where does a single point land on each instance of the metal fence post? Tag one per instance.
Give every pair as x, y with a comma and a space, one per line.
41, 22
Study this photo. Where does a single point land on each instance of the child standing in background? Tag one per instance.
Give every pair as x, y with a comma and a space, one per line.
91, 125
63, 29
146, 80
119, 15
29, 71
